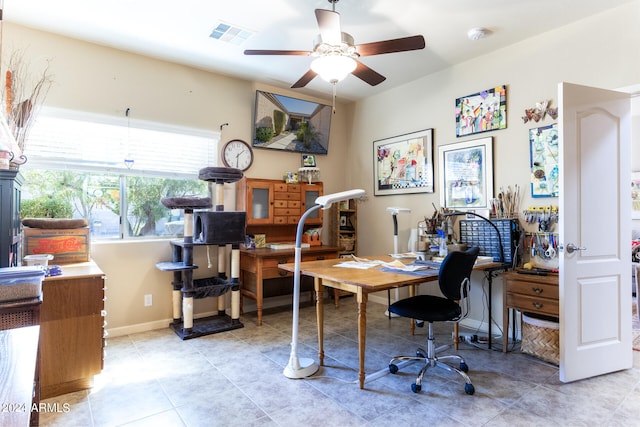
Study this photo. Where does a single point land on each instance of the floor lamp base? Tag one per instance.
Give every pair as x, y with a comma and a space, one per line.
306, 367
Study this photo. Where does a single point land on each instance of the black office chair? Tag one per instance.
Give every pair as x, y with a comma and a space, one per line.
453, 278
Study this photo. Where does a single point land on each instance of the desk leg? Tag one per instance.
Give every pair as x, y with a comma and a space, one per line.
505, 327
412, 293
259, 290
489, 275
319, 288
362, 331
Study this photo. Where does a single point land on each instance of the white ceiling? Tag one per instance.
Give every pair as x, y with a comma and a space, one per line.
178, 31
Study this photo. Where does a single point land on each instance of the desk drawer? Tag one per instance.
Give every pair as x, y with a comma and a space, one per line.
270, 268
533, 289
533, 304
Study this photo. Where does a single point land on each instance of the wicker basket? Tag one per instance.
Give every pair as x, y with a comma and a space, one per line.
541, 338
347, 242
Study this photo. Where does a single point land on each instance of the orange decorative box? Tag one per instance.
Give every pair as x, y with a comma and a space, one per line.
312, 239
66, 245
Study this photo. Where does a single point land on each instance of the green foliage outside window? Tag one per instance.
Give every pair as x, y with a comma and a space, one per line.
98, 198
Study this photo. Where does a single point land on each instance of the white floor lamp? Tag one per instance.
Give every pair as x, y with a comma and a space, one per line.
394, 212
297, 367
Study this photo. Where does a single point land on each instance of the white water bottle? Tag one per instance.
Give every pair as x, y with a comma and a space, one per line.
443, 244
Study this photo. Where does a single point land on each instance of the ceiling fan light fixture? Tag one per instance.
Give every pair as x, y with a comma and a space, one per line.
333, 68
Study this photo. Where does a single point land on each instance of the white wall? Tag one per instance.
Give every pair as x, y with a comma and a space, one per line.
599, 51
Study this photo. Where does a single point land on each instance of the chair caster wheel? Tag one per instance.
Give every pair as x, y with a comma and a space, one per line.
416, 388
393, 368
464, 367
469, 389
421, 354
419, 323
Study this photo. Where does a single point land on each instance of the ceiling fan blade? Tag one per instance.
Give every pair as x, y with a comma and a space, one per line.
304, 80
391, 46
367, 75
329, 25
277, 52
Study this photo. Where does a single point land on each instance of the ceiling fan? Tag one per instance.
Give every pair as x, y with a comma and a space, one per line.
336, 54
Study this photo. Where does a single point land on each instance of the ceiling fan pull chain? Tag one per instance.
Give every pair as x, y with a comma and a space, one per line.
334, 97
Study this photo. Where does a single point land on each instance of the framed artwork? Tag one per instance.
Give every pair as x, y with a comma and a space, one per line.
482, 112
291, 124
635, 195
543, 148
466, 174
308, 161
404, 164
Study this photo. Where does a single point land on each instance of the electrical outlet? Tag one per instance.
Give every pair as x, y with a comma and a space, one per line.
148, 300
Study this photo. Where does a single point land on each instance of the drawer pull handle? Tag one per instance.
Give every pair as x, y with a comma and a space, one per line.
537, 290
320, 258
282, 261
282, 273
538, 305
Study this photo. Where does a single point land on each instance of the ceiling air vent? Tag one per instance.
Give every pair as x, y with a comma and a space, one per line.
230, 33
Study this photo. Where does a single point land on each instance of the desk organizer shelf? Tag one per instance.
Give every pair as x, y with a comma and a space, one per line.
480, 233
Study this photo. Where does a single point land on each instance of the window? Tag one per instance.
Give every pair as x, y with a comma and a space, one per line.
113, 174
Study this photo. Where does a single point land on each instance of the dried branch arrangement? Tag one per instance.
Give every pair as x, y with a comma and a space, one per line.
23, 94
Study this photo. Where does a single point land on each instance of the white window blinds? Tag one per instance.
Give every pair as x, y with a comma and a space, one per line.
64, 139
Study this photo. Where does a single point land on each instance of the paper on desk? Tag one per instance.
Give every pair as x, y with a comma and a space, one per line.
404, 255
358, 264
397, 265
361, 263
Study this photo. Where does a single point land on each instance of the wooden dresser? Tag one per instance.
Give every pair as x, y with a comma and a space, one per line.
71, 329
260, 266
528, 293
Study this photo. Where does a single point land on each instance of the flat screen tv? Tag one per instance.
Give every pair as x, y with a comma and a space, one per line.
291, 124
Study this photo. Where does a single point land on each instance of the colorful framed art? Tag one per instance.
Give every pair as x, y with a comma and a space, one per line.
465, 174
404, 164
482, 112
543, 143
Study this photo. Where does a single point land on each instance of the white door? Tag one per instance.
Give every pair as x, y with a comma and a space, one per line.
595, 231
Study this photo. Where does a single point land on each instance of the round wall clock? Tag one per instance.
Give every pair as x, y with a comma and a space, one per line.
237, 154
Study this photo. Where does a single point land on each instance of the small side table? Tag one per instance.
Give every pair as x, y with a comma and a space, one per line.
530, 293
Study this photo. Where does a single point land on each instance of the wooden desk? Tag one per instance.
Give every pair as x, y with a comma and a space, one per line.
361, 283
530, 293
258, 265
19, 350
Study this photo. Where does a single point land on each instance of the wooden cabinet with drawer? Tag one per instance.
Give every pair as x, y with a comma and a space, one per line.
528, 293
274, 202
71, 329
286, 203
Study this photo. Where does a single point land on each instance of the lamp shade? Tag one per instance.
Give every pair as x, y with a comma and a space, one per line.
333, 68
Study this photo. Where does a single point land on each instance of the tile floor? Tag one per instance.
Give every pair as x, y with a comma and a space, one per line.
235, 379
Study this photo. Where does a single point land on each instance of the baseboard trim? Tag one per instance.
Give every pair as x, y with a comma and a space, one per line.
149, 326
249, 307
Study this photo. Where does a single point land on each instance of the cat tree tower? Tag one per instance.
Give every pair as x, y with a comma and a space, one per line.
206, 226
